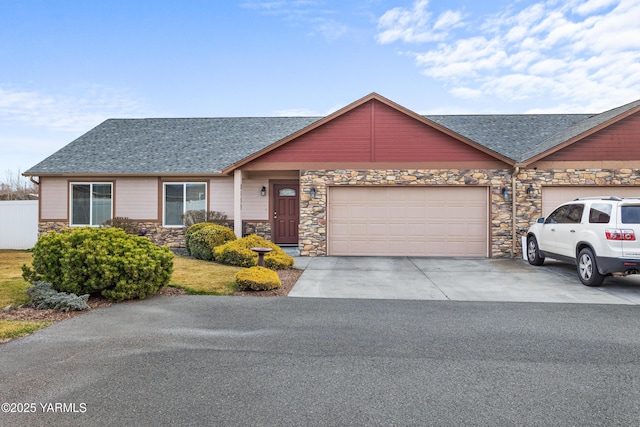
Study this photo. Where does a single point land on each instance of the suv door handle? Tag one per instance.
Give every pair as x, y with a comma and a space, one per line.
573, 231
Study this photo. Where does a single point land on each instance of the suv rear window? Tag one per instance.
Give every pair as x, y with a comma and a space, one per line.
600, 213
630, 214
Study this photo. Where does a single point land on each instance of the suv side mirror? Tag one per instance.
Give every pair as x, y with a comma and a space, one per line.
540, 220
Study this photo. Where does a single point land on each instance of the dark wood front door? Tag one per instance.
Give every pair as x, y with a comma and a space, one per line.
286, 213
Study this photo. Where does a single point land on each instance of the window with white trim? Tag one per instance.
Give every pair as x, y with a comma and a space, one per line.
180, 197
91, 203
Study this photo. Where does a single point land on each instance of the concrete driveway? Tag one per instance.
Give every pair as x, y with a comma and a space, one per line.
455, 279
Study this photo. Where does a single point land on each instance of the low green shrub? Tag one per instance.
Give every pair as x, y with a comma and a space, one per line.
205, 238
239, 253
107, 261
192, 229
257, 279
43, 297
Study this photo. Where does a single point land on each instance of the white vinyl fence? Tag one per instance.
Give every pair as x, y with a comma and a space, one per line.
18, 224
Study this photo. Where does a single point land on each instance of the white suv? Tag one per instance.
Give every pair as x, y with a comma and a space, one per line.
598, 234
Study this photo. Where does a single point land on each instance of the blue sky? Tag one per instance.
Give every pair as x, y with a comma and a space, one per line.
68, 65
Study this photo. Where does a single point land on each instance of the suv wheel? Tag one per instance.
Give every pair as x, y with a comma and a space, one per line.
588, 270
533, 253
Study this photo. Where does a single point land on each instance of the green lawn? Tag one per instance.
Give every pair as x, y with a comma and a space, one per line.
10, 329
203, 277
194, 276
12, 286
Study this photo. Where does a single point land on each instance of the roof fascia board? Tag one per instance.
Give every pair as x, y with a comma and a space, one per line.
352, 106
125, 175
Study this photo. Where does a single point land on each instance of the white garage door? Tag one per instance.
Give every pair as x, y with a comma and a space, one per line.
554, 196
402, 221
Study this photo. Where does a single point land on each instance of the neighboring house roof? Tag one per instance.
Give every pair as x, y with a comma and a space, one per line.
213, 145
568, 135
508, 135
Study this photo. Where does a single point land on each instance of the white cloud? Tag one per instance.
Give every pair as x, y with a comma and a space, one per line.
549, 67
466, 93
467, 57
329, 29
448, 19
305, 112
67, 112
415, 25
592, 6
308, 13
297, 112
577, 52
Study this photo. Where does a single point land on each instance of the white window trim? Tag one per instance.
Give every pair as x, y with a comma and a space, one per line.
184, 199
90, 183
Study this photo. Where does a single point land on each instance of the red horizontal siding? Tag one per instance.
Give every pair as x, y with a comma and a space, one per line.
374, 132
345, 138
401, 138
619, 141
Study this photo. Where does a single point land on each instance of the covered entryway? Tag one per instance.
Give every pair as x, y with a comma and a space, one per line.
554, 196
408, 221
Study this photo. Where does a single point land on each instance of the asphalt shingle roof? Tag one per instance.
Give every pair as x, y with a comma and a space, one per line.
168, 146
508, 135
209, 145
580, 127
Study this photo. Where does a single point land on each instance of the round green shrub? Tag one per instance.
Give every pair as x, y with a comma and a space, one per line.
257, 279
205, 238
239, 253
192, 229
107, 261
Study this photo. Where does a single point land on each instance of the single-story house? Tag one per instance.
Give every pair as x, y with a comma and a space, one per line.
373, 178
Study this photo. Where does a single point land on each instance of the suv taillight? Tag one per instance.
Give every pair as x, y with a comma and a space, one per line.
618, 234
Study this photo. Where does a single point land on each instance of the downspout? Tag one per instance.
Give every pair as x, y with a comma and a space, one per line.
37, 183
514, 176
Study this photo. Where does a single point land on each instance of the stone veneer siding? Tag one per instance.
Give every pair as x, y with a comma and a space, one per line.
313, 212
262, 229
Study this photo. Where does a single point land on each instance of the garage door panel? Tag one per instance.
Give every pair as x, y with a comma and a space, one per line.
358, 230
474, 230
398, 221
355, 212
398, 230
341, 231
379, 212
377, 230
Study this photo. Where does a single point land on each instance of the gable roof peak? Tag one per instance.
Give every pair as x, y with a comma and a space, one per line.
578, 131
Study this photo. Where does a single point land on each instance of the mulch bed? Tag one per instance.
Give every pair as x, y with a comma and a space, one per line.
287, 277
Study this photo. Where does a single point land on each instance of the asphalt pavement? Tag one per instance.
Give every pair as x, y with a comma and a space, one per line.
360, 341
242, 361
